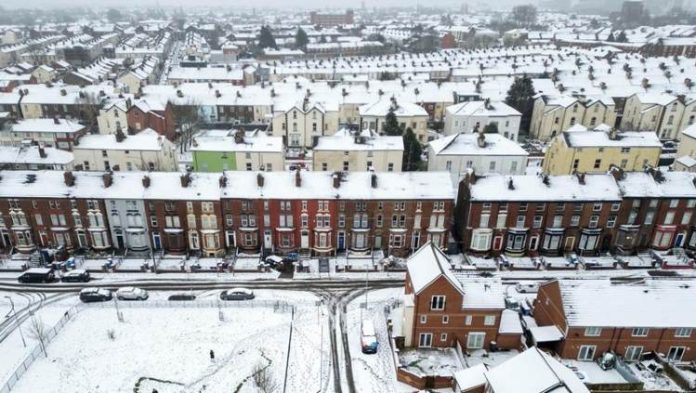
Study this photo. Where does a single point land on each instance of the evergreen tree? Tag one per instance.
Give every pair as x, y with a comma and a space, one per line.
622, 37
490, 128
301, 39
412, 152
521, 97
266, 39
391, 125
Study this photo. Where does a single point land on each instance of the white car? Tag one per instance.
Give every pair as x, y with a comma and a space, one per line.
131, 293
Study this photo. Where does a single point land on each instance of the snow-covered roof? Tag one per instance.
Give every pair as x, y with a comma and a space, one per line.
385, 105
341, 142
30, 155
240, 185
468, 145
426, 265
663, 185
597, 187
534, 371
146, 140
47, 125
603, 139
224, 141
471, 377
510, 322
690, 131
482, 108
652, 304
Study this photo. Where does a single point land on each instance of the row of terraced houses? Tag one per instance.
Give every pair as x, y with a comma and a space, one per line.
211, 214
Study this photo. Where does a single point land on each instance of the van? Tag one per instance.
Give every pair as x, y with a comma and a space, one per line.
37, 275
368, 337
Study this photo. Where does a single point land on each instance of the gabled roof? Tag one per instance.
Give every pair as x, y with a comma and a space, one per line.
534, 371
426, 265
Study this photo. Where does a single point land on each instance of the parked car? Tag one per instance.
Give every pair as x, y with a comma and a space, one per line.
180, 297
237, 294
527, 287
368, 337
76, 276
131, 293
89, 295
274, 261
38, 274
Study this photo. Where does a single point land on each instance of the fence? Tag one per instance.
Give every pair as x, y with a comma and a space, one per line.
37, 351
13, 379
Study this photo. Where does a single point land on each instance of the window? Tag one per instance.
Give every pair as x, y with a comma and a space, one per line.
468, 320
633, 353
445, 319
423, 319
521, 219
437, 302
346, 166
485, 218
425, 340
593, 331
669, 218
639, 332
153, 221
587, 352
682, 332
475, 340
502, 220
489, 320
611, 221
537, 221
481, 240
597, 163
676, 353
686, 218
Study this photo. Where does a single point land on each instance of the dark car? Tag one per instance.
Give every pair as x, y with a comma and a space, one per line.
76, 276
237, 294
89, 295
182, 297
37, 275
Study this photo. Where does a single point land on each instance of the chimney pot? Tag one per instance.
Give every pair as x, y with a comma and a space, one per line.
373, 180
259, 180
298, 179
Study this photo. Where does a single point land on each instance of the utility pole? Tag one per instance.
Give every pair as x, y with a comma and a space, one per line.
19, 325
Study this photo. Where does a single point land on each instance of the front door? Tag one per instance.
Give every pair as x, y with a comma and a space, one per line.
156, 241
230, 239
6, 242
304, 240
679, 240
119, 241
82, 239
341, 241
359, 241
267, 239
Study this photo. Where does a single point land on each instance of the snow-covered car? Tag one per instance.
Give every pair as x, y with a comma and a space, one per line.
89, 295
131, 293
237, 294
76, 276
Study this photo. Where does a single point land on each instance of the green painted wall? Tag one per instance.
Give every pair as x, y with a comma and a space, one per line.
212, 161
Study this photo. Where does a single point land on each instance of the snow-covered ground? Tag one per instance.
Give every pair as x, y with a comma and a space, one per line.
168, 348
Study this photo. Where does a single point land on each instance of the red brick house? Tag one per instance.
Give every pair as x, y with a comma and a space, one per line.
442, 309
151, 113
598, 316
549, 215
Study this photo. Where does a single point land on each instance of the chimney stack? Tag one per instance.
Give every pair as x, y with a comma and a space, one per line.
298, 179
373, 180
511, 184
259, 180
146, 181
581, 178
223, 181
56, 120
336, 178
69, 178
108, 179
239, 137
185, 180
42, 151
481, 140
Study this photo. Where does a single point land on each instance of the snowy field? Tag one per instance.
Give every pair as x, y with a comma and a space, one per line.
168, 349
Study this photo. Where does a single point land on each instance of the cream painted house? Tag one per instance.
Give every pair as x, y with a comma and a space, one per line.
113, 116
144, 151
468, 116
661, 113
236, 150
597, 151
408, 115
686, 152
301, 123
44, 73
553, 115
367, 151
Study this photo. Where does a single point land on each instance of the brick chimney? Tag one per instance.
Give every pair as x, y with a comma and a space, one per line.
373, 180
298, 179
42, 151
56, 120
69, 178
108, 179
185, 180
146, 181
239, 136
336, 178
223, 181
259, 180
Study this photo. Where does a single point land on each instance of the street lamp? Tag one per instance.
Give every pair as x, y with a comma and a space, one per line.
19, 325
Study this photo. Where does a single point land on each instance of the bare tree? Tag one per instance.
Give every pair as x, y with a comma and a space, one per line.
88, 106
264, 379
39, 332
188, 121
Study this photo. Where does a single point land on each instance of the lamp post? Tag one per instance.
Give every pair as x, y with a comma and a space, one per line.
19, 325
